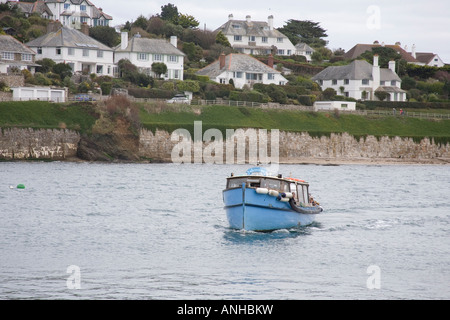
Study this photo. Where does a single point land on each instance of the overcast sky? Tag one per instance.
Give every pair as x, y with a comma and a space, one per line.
348, 22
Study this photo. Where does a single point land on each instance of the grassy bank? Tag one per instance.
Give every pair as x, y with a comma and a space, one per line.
46, 115
316, 123
82, 117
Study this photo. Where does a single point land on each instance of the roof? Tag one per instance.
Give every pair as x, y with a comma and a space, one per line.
303, 47
359, 49
253, 28
32, 7
425, 57
10, 44
66, 37
356, 70
147, 45
238, 62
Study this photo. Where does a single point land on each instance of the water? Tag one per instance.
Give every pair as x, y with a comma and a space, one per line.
159, 231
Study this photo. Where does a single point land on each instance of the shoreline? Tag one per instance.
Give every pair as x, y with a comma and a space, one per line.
302, 161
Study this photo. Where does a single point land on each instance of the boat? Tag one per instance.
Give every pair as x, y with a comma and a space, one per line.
257, 201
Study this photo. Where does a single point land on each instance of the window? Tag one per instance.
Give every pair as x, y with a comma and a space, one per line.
236, 26
279, 39
289, 52
99, 54
83, 7
39, 50
99, 69
173, 58
251, 38
142, 56
346, 81
365, 81
237, 38
71, 51
26, 57
344, 105
271, 76
264, 39
253, 76
393, 83
237, 74
222, 81
8, 55
176, 74
85, 52
157, 57
280, 52
58, 50
334, 81
72, 66
66, 6
382, 83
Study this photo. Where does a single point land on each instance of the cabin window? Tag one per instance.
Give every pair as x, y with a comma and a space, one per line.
273, 184
236, 183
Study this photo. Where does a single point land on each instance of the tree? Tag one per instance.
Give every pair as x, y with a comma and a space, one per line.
106, 35
381, 95
304, 31
62, 69
169, 12
222, 39
187, 21
159, 68
385, 55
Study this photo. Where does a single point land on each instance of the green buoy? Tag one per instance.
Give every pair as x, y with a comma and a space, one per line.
20, 186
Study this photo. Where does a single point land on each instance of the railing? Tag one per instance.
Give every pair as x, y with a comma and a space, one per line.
384, 113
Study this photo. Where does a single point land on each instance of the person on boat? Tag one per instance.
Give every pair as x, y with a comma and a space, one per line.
312, 201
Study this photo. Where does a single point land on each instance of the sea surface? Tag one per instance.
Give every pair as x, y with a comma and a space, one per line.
159, 231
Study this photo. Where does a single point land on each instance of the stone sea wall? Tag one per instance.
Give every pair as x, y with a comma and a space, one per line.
62, 144
295, 147
44, 144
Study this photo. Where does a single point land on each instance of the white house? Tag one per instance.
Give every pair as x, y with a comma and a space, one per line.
39, 93
427, 58
360, 80
81, 52
14, 55
256, 37
73, 13
243, 70
143, 52
302, 49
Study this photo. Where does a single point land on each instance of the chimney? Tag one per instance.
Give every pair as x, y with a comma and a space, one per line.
413, 51
124, 40
53, 26
392, 66
270, 61
270, 22
174, 41
222, 61
84, 28
249, 19
230, 16
375, 73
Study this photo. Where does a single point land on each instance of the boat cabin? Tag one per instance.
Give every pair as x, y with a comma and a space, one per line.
298, 188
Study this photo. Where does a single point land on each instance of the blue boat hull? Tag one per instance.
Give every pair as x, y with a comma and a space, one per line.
249, 210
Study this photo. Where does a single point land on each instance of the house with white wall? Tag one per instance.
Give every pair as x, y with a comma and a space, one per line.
143, 52
243, 69
15, 56
256, 37
73, 13
360, 80
427, 58
75, 48
302, 49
